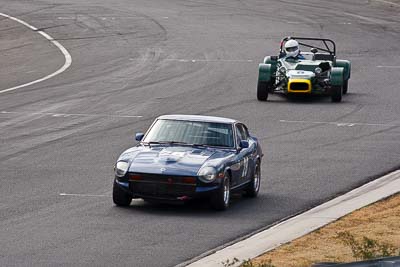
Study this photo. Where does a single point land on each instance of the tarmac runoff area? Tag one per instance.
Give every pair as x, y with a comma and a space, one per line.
304, 223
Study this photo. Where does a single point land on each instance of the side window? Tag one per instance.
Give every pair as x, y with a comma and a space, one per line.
241, 133
246, 134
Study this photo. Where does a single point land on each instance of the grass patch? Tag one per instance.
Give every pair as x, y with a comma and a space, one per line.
247, 263
367, 248
370, 232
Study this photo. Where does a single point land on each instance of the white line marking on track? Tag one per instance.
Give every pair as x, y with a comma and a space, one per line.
209, 60
389, 67
308, 23
341, 124
72, 114
64, 51
83, 195
94, 195
388, 2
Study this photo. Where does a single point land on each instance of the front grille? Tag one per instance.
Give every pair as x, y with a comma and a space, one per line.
294, 86
161, 190
162, 185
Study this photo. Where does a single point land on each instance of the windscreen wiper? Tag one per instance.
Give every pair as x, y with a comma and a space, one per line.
153, 143
199, 145
176, 143
166, 143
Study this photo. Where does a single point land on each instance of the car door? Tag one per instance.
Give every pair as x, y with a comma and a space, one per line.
243, 159
251, 152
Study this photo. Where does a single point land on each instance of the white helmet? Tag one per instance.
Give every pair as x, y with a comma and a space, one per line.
292, 48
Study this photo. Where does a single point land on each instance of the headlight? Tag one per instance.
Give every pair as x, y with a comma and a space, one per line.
121, 168
318, 70
207, 174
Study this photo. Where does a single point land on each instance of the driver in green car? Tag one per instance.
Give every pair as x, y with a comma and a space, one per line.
292, 50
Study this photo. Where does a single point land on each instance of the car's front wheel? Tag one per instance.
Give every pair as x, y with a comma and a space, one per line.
120, 196
254, 185
337, 92
345, 86
221, 198
262, 91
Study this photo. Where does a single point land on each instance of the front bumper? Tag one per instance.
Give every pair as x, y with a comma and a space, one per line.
303, 87
299, 86
171, 188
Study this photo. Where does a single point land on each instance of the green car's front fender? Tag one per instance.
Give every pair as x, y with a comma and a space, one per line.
346, 65
264, 72
337, 76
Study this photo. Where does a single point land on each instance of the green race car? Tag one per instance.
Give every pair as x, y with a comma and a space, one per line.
295, 72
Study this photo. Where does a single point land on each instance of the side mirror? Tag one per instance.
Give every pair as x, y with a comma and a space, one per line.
314, 50
244, 144
139, 136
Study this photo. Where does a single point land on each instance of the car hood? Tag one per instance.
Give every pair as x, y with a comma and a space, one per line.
302, 65
175, 160
300, 74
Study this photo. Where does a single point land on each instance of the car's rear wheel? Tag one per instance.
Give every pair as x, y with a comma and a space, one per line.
262, 91
254, 185
337, 92
120, 196
345, 86
221, 198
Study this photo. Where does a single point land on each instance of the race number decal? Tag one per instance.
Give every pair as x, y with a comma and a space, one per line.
245, 166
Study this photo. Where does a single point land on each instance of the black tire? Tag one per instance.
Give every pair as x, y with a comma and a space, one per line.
262, 91
254, 185
221, 198
121, 197
345, 86
337, 92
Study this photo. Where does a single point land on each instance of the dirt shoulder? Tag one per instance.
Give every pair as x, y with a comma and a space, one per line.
379, 222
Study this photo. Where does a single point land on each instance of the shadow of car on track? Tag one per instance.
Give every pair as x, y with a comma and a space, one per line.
197, 206
310, 99
266, 206
300, 99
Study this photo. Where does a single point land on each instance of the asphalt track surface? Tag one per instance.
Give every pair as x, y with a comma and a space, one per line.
134, 60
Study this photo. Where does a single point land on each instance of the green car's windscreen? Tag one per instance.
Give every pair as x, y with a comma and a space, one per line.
191, 132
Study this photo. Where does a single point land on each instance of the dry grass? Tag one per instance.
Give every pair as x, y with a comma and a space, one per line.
379, 221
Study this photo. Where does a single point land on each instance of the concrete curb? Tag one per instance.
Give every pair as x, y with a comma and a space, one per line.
304, 223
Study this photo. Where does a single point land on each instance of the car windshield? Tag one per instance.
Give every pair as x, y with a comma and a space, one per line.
191, 132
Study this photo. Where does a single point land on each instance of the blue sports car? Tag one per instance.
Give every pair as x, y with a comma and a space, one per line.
186, 156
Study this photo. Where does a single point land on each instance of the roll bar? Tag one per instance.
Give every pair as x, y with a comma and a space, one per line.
331, 50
